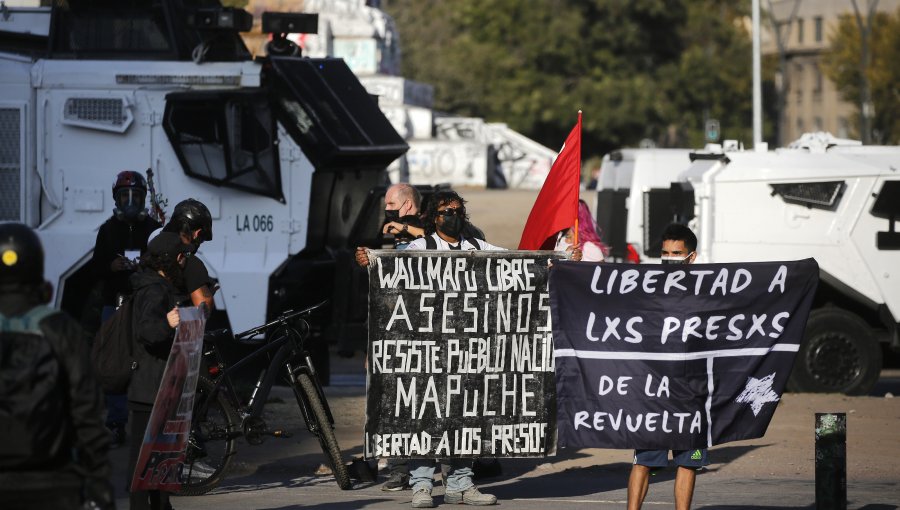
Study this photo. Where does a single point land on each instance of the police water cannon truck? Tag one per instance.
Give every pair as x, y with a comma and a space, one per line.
282, 149
830, 199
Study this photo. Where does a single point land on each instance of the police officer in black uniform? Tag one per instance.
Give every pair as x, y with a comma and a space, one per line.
119, 241
53, 453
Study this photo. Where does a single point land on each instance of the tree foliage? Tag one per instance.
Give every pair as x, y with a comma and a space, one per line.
639, 69
843, 69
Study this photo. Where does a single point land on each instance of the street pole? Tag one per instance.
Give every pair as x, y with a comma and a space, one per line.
757, 82
831, 461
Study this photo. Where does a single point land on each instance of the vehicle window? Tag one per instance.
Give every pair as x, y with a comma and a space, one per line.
227, 138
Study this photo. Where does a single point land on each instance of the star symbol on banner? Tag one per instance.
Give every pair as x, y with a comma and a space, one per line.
757, 393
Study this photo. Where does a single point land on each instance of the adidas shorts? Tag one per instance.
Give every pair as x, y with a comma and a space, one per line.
660, 458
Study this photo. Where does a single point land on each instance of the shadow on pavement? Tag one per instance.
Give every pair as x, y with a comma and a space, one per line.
361, 503
753, 507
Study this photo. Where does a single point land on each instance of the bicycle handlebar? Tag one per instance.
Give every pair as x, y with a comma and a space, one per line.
282, 319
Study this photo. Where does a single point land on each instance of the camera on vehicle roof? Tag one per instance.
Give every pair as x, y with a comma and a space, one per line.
222, 18
289, 23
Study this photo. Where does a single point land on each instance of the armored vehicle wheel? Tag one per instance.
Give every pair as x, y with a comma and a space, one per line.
839, 354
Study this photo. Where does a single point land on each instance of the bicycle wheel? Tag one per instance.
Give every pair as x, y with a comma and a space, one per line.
211, 443
323, 430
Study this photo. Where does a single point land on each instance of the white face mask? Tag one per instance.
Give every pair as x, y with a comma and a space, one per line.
669, 259
562, 244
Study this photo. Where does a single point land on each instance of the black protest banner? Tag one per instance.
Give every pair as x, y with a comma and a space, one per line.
460, 359
674, 356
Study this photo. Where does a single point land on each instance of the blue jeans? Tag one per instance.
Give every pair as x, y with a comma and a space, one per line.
458, 479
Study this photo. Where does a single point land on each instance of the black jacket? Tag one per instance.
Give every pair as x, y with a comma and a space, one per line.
80, 452
154, 297
113, 238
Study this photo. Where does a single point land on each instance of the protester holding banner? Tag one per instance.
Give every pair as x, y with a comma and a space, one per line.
401, 218
679, 246
592, 248
155, 320
401, 214
445, 221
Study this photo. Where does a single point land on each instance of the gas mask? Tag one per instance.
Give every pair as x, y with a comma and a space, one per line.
130, 204
668, 259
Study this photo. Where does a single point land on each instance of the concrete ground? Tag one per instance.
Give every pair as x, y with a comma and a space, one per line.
774, 472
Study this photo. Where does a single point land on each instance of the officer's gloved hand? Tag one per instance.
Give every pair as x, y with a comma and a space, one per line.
98, 495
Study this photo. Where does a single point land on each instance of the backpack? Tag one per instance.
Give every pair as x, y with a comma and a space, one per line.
34, 415
111, 355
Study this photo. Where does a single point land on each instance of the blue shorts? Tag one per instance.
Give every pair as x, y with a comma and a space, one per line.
660, 458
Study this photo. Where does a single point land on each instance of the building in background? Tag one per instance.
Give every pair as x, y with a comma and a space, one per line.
811, 101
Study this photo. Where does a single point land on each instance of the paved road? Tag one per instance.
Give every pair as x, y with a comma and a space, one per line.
775, 472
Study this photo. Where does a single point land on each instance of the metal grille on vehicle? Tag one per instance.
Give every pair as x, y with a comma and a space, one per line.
821, 194
105, 111
10, 163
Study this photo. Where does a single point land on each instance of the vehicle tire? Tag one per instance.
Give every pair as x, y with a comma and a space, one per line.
324, 430
839, 354
211, 444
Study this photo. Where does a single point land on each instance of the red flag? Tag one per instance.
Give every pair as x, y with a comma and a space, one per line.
556, 207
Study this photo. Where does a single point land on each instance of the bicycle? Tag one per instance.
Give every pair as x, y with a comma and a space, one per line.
219, 418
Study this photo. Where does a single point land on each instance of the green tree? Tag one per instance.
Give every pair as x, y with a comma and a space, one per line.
638, 69
843, 69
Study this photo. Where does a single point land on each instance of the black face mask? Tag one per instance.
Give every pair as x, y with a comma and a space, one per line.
391, 215
195, 244
451, 226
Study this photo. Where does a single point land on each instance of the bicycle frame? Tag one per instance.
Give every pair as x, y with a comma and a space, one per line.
289, 354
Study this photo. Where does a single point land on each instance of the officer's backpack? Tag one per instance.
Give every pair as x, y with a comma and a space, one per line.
33, 416
111, 355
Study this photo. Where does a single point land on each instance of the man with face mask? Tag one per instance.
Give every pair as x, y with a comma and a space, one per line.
679, 246
446, 222
401, 214
119, 243
401, 218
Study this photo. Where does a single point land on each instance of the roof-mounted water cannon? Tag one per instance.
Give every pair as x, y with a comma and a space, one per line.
280, 24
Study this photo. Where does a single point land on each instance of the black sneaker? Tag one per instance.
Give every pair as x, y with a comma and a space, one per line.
397, 482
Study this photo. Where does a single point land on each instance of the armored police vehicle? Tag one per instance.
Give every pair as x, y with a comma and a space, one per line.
282, 149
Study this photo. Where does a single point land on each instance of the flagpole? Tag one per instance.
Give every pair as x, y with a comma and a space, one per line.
579, 181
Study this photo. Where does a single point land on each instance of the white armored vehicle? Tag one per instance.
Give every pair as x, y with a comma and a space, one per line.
283, 150
821, 198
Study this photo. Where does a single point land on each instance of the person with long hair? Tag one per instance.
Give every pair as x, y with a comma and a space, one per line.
593, 249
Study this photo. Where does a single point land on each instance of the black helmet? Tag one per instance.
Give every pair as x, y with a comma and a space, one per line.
21, 255
194, 214
129, 193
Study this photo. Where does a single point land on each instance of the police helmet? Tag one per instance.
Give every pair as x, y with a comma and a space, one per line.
194, 214
129, 192
21, 255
